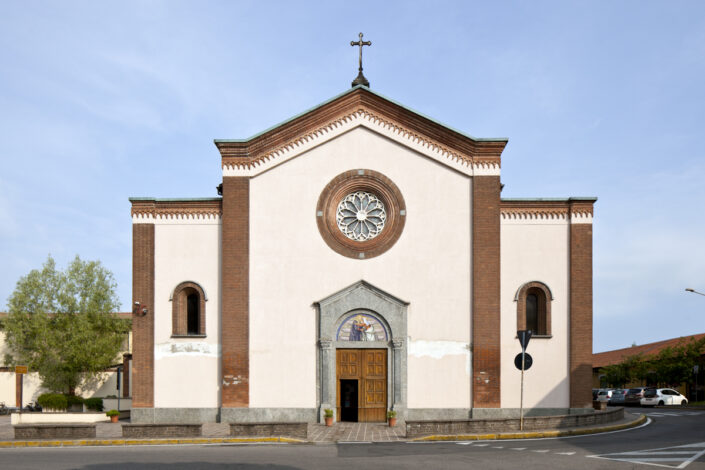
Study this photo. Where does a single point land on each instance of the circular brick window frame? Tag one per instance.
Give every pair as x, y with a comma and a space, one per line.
367, 181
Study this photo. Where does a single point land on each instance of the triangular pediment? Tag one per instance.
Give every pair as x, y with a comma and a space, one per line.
360, 107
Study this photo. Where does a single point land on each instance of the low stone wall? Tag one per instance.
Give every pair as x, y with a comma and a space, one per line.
57, 418
54, 431
295, 430
533, 423
161, 430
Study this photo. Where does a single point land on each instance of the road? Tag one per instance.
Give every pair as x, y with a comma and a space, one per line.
674, 439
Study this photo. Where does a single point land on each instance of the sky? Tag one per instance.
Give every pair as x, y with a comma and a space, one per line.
101, 101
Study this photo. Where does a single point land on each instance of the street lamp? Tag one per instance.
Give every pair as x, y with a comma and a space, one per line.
688, 289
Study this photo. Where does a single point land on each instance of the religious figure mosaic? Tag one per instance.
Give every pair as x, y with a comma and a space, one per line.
361, 327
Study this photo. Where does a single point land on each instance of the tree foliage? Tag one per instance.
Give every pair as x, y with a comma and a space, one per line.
672, 366
62, 323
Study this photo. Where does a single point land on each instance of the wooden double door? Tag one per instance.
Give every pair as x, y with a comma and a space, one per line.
361, 377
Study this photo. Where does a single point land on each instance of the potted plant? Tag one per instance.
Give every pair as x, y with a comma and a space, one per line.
328, 415
113, 415
392, 418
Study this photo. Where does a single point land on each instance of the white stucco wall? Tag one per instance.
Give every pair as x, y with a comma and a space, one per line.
291, 267
186, 370
104, 384
535, 250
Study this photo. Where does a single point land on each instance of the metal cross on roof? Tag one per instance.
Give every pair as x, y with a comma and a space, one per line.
360, 80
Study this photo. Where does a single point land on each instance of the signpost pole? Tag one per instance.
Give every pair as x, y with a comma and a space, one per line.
21, 371
521, 399
21, 390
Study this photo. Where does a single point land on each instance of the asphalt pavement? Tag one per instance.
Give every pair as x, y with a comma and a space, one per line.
673, 438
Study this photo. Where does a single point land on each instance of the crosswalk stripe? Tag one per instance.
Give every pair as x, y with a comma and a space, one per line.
565, 453
672, 457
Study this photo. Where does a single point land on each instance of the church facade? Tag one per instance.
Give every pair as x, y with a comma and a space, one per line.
359, 258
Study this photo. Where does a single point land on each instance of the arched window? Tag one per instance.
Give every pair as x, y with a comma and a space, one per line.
534, 308
192, 314
188, 310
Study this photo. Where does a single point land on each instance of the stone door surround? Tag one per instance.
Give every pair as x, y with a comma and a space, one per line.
364, 298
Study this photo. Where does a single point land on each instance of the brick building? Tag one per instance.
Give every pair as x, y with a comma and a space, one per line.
359, 257
693, 389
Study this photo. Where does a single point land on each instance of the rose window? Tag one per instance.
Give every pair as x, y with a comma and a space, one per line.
361, 216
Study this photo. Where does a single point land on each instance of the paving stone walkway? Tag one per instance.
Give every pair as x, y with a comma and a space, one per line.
355, 432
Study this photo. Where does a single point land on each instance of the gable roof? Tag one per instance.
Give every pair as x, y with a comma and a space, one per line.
616, 356
355, 107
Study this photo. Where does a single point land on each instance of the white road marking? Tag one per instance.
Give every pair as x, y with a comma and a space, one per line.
565, 453
518, 448
680, 456
497, 447
540, 451
463, 443
480, 445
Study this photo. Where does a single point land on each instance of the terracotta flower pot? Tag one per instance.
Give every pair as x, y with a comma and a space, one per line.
114, 419
392, 422
329, 421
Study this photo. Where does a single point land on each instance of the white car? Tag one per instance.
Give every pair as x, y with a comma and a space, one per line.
604, 395
662, 396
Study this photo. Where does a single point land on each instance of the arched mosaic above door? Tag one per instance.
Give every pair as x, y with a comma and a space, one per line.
361, 327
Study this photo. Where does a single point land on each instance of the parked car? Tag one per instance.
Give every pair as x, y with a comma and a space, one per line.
604, 395
634, 396
617, 397
662, 396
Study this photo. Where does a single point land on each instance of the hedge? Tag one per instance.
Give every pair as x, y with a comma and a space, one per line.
94, 404
53, 401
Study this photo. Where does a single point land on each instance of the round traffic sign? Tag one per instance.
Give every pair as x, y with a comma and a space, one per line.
528, 360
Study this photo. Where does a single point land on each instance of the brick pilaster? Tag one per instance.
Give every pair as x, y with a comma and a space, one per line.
485, 292
235, 335
580, 314
143, 325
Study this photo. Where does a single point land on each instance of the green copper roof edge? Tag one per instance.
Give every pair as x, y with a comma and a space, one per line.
476, 139
179, 199
548, 199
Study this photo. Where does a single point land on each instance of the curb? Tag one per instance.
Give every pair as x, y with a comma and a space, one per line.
150, 442
533, 434
285, 440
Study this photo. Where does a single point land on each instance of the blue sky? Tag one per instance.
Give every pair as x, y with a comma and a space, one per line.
100, 101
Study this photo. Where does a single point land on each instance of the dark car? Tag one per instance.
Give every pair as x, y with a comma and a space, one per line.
634, 396
617, 397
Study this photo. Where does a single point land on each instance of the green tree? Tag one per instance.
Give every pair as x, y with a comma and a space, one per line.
670, 367
674, 365
62, 323
622, 373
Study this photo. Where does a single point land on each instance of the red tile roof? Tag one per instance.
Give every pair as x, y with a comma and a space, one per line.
618, 355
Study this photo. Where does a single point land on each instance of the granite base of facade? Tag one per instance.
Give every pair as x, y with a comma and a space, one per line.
498, 413
222, 415
54, 431
531, 423
294, 430
268, 415
424, 414
161, 430
174, 415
